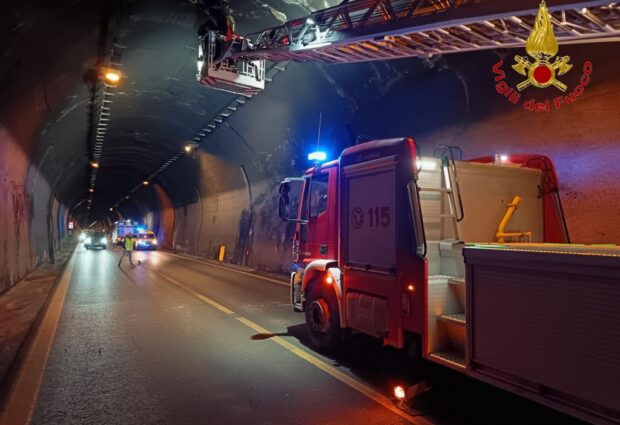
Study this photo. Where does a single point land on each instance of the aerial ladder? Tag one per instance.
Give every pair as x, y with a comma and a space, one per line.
371, 30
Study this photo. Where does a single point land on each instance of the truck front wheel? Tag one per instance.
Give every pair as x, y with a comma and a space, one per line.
323, 318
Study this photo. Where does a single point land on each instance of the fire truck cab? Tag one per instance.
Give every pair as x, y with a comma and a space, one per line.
465, 262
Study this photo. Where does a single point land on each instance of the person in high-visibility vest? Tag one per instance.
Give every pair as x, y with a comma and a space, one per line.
128, 246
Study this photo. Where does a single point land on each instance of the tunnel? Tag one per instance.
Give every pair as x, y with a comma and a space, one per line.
74, 148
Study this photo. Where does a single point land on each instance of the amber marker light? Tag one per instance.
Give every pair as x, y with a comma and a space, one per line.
94, 164
411, 287
145, 182
91, 190
329, 279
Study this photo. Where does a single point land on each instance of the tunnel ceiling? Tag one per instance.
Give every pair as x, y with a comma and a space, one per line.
156, 109
49, 98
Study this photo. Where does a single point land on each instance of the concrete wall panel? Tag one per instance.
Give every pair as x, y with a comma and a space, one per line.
24, 208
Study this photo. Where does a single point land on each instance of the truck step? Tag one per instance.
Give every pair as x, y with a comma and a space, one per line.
454, 319
452, 359
457, 281
435, 190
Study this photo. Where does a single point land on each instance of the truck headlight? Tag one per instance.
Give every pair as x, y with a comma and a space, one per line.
89, 240
154, 241
103, 240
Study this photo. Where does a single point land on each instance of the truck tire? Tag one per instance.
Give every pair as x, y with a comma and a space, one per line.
323, 317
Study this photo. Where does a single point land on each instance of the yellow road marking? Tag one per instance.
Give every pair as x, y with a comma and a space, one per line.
25, 391
268, 279
315, 361
201, 297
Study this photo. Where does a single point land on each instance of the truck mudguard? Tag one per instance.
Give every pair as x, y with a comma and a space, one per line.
320, 267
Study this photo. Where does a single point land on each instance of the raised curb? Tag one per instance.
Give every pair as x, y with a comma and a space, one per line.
15, 357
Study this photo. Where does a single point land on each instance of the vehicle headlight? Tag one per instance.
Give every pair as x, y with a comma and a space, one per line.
103, 240
89, 240
154, 241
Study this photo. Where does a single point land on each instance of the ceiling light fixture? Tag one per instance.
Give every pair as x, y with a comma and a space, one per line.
112, 77
190, 146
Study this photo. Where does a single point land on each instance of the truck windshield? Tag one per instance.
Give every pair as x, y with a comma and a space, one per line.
318, 195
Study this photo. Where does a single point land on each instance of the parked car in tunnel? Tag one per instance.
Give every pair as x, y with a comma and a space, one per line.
95, 240
146, 240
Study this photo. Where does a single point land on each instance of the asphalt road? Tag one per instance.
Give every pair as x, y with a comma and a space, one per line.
177, 341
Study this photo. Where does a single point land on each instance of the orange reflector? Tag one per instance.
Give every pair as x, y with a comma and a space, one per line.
329, 279
399, 392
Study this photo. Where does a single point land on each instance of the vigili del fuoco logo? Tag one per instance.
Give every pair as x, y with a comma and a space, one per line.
541, 71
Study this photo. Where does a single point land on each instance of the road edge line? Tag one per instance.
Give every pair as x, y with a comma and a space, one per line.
308, 357
23, 395
268, 279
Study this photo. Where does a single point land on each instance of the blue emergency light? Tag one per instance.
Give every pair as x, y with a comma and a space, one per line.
317, 156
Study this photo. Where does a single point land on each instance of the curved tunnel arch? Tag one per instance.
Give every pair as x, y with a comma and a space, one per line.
223, 193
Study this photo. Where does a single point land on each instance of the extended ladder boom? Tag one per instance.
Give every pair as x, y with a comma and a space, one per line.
370, 30
367, 30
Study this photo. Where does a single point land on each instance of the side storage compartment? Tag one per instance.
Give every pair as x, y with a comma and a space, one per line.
367, 314
544, 321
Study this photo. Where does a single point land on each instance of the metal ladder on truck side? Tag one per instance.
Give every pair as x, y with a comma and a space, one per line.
446, 280
455, 212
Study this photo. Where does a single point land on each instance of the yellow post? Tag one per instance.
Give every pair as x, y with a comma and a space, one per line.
222, 252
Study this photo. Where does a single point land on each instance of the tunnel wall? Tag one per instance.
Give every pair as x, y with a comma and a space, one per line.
163, 219
32, 222
445, 100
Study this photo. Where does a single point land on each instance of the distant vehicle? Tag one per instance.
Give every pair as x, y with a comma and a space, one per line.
124, 228
146, 240
95, 240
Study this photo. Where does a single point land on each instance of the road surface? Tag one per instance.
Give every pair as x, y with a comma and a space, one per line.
179, 341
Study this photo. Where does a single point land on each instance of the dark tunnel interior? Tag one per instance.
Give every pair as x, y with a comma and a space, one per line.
57, 118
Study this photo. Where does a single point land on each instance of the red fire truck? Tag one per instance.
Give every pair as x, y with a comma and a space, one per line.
465, 262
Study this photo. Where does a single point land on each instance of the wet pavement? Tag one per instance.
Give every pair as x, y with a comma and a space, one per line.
132, 347
178, 341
